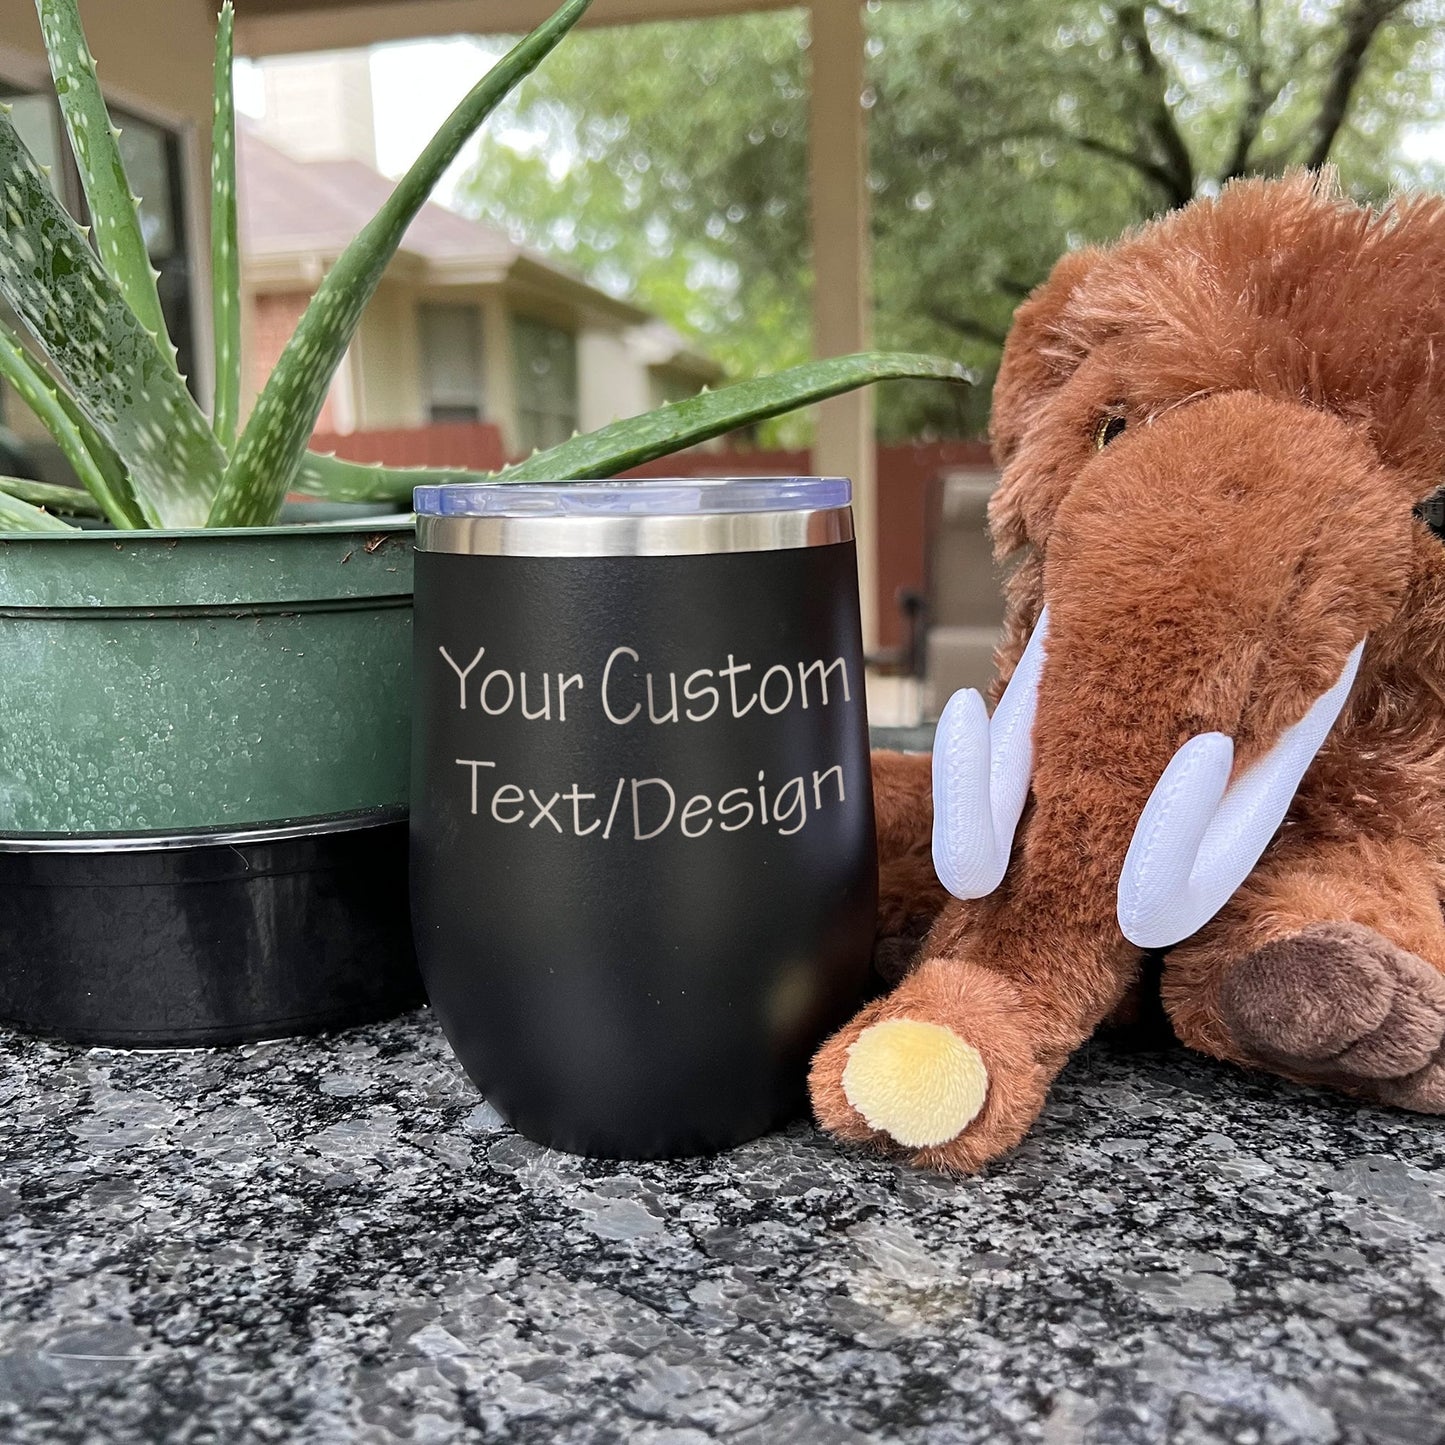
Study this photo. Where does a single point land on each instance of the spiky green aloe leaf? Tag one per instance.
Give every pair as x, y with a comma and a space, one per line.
114, 207
105, 460
20, 516
70, 500
98, 467
225, 250
117, 375
634, 440
338, 480
637, 439
264, 463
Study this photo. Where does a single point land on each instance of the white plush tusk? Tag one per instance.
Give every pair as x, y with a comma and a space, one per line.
981, 772
1198, 837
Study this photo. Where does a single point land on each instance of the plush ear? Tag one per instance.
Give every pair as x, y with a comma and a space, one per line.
1037, 357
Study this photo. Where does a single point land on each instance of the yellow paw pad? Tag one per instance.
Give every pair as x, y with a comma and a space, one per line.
917, 1082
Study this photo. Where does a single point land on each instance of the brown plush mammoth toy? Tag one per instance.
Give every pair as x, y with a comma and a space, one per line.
1214, 438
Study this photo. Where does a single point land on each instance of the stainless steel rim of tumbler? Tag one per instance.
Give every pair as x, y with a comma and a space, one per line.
697, 534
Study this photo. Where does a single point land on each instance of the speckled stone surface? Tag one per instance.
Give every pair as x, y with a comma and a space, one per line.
337, 1240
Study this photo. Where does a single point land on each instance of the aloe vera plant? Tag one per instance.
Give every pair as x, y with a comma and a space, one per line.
105, 382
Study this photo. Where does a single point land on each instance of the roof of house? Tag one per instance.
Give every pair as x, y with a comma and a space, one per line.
300, 215
292, 206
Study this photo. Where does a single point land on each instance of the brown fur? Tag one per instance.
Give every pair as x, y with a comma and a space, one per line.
910, 897
1279, 357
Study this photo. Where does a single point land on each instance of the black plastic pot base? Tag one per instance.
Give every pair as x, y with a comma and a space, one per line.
224, 939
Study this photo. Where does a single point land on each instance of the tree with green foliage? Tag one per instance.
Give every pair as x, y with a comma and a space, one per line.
669, 162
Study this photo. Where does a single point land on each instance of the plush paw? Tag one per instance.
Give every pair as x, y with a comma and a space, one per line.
1340, 1004
941, 1071
918, 1083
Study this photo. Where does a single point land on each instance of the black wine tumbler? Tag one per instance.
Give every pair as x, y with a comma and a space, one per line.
643, 855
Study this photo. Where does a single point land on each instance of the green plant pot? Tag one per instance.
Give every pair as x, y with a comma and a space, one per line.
172, 680
204, 754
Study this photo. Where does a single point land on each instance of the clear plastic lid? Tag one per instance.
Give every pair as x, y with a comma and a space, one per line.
648, 497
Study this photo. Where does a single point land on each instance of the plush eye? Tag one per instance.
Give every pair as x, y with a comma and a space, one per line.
1106, 429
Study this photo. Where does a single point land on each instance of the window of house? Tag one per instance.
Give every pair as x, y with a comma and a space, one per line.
546, 359
37, 120
153, 161
451, 362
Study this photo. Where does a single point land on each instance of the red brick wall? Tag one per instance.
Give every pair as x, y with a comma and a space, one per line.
470, 444
273, 319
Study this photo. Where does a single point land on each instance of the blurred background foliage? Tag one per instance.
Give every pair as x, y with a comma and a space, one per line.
668, 162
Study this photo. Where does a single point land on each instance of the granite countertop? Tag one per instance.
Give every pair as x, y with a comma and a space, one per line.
336, 1240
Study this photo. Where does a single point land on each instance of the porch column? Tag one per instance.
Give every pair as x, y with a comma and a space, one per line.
842, 279
499, 371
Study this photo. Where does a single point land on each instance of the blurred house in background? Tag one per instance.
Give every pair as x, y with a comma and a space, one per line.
467, 326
